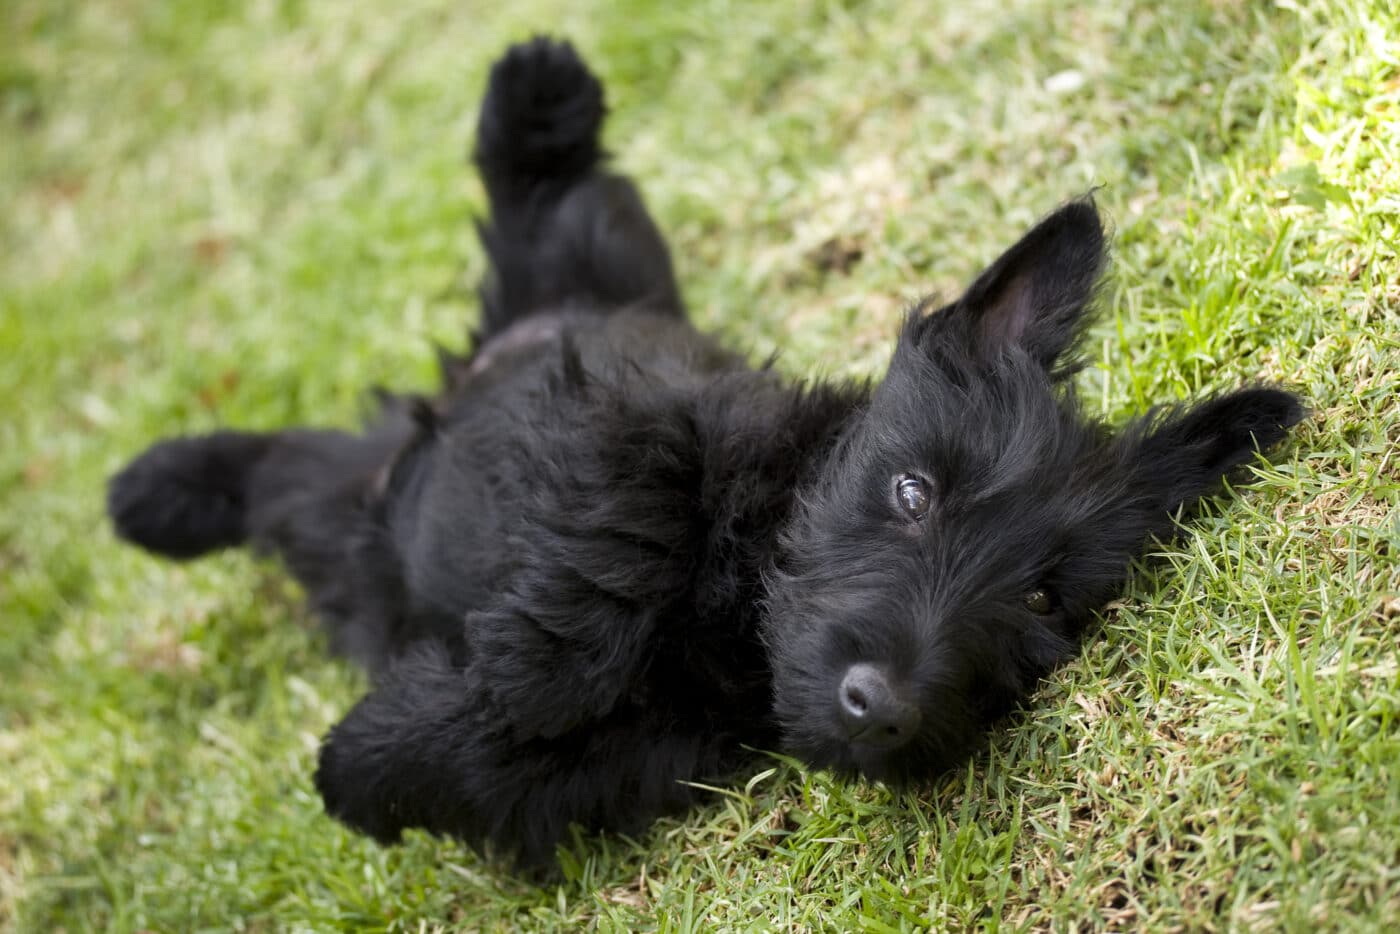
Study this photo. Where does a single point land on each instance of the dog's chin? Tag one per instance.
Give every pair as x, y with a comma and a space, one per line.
875, 765
856, 761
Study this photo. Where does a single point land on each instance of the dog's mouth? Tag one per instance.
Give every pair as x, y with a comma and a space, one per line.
871, 763
878, 726
856, 760
858, 720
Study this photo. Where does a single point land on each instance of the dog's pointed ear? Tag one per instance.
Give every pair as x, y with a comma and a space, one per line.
1184, 452
1036, 294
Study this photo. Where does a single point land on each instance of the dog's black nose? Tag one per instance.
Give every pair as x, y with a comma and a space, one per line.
874, 711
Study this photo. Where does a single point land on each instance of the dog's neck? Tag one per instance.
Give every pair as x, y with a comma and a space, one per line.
762, 441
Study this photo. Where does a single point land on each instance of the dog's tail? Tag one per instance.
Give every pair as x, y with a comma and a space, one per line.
540, 122
184, 497
563, 232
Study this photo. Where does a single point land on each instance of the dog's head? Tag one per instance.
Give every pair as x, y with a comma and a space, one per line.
972, 520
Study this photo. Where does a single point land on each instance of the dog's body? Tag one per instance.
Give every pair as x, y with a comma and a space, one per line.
610, 555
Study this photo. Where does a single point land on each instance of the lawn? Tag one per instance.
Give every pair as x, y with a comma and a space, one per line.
245, 213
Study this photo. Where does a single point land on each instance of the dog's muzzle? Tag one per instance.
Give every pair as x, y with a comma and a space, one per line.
875, 710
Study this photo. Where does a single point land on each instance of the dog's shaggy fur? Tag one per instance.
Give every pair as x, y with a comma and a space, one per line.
610, 554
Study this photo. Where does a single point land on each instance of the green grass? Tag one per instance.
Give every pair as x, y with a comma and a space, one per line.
245, 213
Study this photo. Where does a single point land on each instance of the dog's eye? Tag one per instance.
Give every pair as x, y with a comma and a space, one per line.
912, 493
1038, 601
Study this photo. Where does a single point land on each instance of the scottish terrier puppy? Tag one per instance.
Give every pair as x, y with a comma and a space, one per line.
610, 556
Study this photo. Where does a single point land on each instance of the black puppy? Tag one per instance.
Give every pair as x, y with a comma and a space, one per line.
610, 554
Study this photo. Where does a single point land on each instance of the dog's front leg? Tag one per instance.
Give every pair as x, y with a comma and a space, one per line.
426, 750
547, 678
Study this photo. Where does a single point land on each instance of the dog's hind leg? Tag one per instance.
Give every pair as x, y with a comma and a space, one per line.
564, 234
303, 495
186, 497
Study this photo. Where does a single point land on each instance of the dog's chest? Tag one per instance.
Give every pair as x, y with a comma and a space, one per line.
574, 457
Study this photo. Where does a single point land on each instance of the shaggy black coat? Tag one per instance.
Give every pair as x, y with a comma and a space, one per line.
610, 554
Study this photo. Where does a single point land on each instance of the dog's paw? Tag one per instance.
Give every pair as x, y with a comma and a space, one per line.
184, 497
349, 794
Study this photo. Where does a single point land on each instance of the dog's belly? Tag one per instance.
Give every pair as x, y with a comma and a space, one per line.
662, 346
523, 336
527, 431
